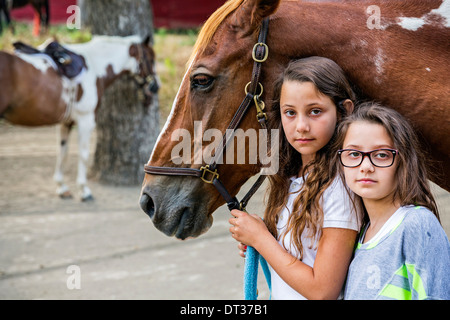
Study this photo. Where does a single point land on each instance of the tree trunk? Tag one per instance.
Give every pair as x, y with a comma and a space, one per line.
126, 129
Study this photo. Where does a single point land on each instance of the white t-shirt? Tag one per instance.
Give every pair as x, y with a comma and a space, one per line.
338, 213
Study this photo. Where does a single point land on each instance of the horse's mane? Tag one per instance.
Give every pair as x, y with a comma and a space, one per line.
210, 27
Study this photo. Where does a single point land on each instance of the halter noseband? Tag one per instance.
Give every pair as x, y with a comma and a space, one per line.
209, 172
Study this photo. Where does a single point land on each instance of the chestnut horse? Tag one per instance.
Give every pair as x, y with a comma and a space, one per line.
34, 94
396, 52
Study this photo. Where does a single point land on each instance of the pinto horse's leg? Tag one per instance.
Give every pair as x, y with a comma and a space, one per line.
47, 15
1, 23
3, 8
62, 189
7, 16
86, 123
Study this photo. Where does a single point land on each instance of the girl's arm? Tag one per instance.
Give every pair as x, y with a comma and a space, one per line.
324, 280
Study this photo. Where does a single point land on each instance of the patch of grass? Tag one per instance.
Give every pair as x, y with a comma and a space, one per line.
173, 50
23, 32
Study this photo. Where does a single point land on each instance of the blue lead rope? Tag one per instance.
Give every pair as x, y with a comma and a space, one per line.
252, 261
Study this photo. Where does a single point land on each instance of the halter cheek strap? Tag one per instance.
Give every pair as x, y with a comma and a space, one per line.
209, 172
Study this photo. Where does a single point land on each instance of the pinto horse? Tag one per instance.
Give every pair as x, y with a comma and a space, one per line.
396, 52
34, 94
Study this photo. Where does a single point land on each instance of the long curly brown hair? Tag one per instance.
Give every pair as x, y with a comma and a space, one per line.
329, 80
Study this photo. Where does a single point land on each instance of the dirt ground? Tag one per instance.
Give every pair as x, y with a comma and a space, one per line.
117, 252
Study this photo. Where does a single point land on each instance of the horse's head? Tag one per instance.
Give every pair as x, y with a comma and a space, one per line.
143, 68
209, 95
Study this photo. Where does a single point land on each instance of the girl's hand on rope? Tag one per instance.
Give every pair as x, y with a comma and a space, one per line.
249, 229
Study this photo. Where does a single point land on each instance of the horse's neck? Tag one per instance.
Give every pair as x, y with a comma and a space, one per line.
340, 31
318, 28
329, 28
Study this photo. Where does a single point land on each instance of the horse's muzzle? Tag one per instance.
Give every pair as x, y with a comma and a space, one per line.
175, 211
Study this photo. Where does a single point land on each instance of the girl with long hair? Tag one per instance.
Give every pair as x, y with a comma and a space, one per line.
310, 222
403, 252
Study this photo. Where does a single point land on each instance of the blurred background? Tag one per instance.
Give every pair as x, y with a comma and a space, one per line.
119, 253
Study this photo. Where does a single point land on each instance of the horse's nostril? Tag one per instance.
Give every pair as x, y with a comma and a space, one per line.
154, 87
147, 205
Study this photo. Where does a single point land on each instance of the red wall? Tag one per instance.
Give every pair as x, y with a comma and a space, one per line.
183, 13
176, 14
57, 11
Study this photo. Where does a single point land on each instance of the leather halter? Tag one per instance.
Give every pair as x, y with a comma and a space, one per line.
209, 172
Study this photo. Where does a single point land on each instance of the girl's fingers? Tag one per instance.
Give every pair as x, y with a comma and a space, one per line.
237, 213
233, 221
242, 246
242, 249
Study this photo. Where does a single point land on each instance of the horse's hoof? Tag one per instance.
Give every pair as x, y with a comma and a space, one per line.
87, 198
66, 195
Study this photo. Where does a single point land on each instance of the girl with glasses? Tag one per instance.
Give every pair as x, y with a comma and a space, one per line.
403, 252
310, 224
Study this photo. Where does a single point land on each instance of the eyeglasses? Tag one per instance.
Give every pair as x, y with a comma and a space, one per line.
381, 158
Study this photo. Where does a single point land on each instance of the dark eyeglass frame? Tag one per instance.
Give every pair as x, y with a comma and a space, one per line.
368, 154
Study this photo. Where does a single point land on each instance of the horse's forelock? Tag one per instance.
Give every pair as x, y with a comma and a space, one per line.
211, 25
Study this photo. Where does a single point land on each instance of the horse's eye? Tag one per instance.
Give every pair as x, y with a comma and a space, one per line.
201, 81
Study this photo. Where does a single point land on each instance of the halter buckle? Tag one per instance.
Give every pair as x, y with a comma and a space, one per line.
260, 116
266, 52
260, 106
205, 170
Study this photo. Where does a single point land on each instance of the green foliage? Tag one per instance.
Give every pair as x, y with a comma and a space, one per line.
23, 32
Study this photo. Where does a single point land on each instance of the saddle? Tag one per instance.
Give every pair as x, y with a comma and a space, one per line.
69, 64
